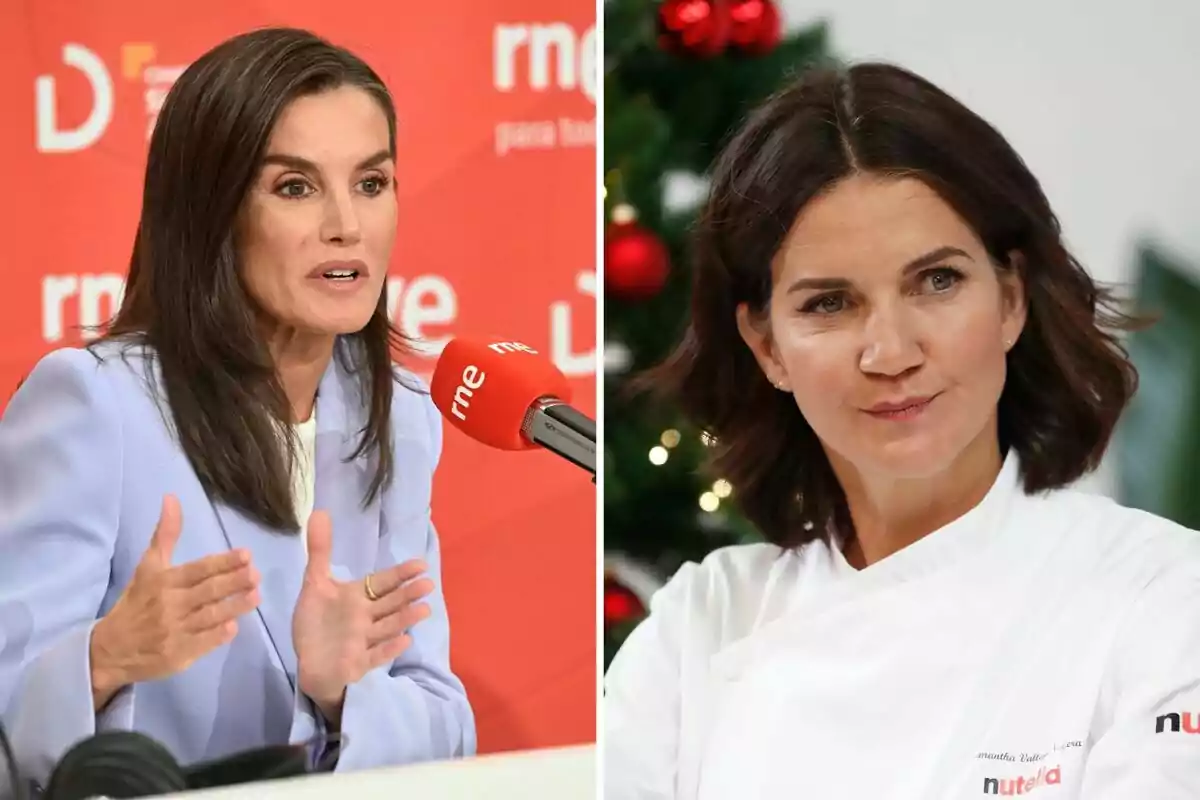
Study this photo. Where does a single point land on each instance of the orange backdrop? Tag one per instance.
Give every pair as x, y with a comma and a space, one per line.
497, 190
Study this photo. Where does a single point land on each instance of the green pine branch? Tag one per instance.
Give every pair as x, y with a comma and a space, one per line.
664, 113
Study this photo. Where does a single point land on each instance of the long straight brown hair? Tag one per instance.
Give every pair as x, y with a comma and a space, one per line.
184, 297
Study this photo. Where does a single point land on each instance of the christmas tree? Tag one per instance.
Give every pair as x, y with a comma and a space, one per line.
681, 76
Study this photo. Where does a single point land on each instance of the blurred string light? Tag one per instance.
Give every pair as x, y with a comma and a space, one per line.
660, 452
623, 214
617, 358
710, 501
670, 439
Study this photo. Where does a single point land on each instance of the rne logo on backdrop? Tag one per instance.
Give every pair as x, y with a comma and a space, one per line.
539, 46
425, 307
86, 301
136, 64
542, 52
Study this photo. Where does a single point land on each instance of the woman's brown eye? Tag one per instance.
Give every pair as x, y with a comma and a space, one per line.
829, 304
373, 186
293, 189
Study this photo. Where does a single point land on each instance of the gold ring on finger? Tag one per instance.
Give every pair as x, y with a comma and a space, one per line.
370, 591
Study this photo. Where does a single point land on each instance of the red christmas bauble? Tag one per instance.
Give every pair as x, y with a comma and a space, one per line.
621, 605
755, 26
635, 262
693, 27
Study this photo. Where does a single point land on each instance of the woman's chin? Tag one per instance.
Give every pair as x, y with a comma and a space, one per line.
338, 324
913, 458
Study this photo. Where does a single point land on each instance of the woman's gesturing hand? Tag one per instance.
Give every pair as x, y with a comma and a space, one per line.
342, 630
168, 617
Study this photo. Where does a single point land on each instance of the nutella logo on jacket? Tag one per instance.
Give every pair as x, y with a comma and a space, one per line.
1187, 722
1022, 785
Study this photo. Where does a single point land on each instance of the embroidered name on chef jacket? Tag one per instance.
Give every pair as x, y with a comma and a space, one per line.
1048, 765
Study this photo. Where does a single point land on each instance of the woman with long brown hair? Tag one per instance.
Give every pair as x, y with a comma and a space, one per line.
215, 520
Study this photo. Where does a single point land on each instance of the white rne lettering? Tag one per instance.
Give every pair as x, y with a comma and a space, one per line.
50, 138
415, 306
511, 347
99, 297
56, 289
472, 380
573, 57
426, 301
561, 348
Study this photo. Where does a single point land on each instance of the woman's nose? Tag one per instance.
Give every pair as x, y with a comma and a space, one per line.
341, 223
890, 347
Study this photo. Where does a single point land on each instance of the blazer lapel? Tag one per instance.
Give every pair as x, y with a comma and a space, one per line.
340, 481
280, 556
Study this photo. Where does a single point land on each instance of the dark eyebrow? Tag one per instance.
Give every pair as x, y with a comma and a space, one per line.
832, 284
304, 165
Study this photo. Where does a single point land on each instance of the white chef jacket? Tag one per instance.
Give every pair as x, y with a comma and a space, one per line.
1045, 645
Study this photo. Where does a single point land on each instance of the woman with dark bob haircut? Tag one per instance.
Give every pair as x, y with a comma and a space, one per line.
904, 370
215, 519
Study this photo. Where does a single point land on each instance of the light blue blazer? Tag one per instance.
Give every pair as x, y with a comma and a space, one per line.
86, 456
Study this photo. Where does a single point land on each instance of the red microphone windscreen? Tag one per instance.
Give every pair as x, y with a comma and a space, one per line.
485, 386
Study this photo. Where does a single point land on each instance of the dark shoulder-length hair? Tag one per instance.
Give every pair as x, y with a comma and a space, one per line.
1068, 377
185, 299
